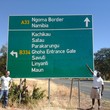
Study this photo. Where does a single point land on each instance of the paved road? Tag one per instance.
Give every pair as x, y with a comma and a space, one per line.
85, 86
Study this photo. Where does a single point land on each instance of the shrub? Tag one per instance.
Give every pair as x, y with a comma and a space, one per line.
22, 95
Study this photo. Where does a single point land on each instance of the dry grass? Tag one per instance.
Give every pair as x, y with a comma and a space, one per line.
59, 98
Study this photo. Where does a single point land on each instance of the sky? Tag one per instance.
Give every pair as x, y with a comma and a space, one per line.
99, 9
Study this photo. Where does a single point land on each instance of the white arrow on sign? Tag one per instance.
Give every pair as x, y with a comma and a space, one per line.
87, 21
14, 53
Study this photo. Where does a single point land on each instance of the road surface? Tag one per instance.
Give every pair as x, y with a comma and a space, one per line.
85, 86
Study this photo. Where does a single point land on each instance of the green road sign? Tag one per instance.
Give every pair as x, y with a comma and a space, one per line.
50, 46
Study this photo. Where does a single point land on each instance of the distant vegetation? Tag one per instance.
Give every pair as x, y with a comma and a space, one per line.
3, 57
101, 59
102, 62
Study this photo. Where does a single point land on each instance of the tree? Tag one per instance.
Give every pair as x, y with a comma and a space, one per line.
102, 62
3, 52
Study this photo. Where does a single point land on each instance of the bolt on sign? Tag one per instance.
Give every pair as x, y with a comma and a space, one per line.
50, 46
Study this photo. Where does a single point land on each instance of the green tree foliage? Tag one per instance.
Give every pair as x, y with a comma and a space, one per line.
3, 50
3, 56
102, 62
38, 93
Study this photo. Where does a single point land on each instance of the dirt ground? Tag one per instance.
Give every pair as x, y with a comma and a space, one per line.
59, 98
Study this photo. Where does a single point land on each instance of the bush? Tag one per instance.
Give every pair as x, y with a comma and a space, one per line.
23, 96
37, 93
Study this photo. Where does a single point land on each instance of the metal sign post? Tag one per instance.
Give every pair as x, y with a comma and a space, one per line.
49, 91
78, 93
71, 90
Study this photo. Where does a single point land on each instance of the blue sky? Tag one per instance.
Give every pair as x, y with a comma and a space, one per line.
98, 8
